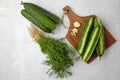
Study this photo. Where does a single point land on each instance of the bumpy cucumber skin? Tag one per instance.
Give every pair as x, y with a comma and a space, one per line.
50, 15
91, 45
85, 34
39, 16
34, 21
101, 43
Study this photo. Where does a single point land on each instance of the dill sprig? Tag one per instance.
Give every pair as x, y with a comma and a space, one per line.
60, 57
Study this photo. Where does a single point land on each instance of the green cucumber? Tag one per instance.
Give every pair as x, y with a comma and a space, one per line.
101, 43
39, 16
85, 35
50, 15
91, 45
34, 21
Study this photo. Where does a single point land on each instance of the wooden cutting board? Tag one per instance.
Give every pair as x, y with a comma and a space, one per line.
74, 40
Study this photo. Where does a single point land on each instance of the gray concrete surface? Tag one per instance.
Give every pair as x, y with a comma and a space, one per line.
21, 58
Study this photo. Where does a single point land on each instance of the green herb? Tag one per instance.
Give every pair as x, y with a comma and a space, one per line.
60, 57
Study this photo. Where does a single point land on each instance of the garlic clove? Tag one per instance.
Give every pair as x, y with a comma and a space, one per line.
76, 24
75, 30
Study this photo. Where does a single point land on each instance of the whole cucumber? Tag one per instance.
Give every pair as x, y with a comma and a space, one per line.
39, 16
34, 21
50, 15
85, 35
101, 43
92, 42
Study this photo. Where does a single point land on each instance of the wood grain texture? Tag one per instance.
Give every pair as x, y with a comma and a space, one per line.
74, 40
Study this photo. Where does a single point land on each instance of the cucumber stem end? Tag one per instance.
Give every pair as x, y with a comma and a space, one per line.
100, 58
21, 3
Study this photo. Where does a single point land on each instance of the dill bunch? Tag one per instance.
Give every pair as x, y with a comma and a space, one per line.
60, 57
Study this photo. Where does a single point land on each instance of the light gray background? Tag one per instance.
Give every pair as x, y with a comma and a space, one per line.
21, 58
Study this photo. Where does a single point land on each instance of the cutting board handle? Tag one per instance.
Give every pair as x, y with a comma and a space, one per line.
71, 15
